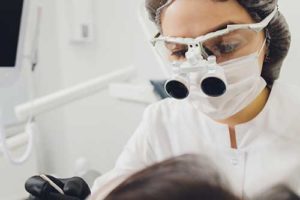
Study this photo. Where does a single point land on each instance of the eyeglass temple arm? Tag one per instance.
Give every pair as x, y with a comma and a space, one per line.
257, 26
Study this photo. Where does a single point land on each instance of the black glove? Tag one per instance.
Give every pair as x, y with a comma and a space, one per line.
74, 188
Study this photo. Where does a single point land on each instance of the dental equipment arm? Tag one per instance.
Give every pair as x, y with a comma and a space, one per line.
66, 96
16, 141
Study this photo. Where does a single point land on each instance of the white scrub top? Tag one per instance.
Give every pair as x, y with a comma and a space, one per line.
268, 146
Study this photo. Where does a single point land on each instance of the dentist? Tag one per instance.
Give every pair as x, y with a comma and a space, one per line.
226, 57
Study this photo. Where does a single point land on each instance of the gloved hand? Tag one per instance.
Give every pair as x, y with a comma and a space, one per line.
74, 188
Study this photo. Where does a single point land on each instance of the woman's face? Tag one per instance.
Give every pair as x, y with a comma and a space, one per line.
193, 18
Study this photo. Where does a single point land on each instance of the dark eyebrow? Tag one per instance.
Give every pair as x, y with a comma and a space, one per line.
220, 27
217, 28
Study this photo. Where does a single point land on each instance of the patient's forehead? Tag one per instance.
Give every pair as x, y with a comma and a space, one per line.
191, 18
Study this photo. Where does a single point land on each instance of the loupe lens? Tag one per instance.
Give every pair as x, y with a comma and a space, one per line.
213, 86
176, 89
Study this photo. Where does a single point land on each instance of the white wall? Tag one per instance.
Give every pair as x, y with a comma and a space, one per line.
13, 177
291, 69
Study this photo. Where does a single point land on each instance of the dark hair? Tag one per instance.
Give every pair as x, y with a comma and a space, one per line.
186, 177
279, 192
277, 32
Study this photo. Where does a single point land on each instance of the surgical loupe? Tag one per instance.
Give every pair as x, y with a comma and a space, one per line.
212, 78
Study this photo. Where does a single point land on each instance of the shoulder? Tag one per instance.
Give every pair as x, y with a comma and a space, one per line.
168, 109
167, 104
169, 116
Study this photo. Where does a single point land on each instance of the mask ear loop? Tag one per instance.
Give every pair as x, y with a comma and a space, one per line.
262, 47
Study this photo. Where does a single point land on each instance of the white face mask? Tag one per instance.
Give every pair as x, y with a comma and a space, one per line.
244, 85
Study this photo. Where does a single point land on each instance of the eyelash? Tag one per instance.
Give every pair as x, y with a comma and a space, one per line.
223, 47
180, 53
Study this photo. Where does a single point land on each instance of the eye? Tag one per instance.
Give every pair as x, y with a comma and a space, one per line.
179, 53
226, 48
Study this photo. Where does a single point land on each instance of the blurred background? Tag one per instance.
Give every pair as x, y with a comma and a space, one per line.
89, 134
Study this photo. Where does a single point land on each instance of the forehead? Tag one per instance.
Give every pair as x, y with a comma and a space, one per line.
192, 18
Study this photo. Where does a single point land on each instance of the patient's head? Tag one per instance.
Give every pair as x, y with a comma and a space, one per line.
279, 192
184, 177
191, 177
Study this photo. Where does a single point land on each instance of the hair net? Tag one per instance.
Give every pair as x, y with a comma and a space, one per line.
277, 32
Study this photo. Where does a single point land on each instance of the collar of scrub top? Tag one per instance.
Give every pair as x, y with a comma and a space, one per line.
191, 41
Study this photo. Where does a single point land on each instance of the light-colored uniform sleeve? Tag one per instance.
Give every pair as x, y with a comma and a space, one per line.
136, 155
